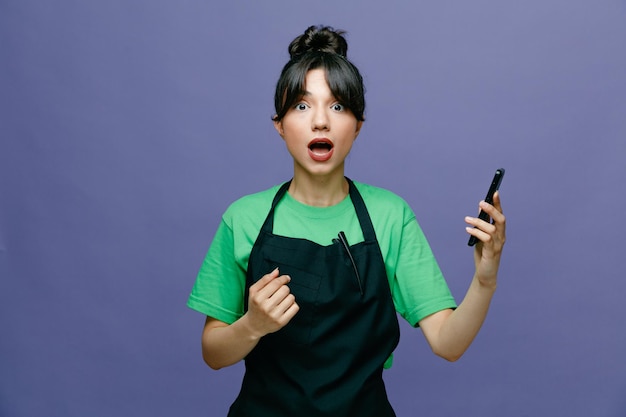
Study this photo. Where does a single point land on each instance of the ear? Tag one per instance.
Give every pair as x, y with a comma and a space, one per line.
359, 124
278, 125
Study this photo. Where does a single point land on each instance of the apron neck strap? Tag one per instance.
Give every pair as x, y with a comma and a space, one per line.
361, 212
268, 225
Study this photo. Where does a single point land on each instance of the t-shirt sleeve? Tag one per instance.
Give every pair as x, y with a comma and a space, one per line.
219, 288
419, 286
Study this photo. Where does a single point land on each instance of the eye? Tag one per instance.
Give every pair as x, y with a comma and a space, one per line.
338, 107
301, 106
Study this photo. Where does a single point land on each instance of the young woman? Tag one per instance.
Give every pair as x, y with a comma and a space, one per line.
303, 280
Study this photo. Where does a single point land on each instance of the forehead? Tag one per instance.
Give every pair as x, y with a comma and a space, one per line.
315, 82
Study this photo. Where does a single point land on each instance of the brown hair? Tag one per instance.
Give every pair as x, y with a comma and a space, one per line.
326, 48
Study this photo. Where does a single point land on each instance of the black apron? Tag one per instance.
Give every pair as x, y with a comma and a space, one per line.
328, 360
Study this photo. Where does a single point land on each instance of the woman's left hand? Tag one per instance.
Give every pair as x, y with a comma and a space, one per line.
491, 238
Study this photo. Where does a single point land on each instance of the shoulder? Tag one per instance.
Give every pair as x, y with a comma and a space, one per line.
380, 201
250, 207
371, 191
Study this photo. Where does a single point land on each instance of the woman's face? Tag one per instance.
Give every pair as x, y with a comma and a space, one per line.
318, 130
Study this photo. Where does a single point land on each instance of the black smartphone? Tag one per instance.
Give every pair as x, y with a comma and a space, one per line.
495, 184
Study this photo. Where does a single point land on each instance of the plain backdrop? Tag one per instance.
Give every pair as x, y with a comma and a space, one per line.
127, 128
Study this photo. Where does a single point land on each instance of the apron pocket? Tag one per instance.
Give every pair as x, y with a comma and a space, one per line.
305, 288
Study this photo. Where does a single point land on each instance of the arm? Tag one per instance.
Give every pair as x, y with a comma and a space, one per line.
450, 333
270, 307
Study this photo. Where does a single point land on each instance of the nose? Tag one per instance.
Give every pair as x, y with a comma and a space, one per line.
320, 119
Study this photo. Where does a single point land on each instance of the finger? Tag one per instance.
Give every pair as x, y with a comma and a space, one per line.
481, 235
277, 297
495, 215
285, 303
265, 279
481, 225
291, 308
270, 289
497, 202
283, 312
499, 217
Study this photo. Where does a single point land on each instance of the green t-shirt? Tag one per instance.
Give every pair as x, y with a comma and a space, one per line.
417, 286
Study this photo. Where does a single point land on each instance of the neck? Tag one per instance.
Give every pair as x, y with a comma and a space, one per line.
319, 192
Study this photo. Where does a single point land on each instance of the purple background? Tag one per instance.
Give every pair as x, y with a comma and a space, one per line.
127, 127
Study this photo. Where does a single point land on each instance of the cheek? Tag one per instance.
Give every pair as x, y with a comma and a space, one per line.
350, 132
291, 126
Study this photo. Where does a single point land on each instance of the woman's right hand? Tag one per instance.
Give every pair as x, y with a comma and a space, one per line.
270, 307
270, 304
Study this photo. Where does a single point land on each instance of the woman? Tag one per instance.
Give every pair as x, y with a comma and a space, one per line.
304, 280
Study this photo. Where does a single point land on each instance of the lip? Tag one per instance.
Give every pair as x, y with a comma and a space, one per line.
320, 155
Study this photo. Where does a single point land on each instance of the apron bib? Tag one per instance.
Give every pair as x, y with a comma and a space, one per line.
328, 360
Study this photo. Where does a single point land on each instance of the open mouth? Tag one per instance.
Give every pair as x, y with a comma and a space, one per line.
320, 145
320, 149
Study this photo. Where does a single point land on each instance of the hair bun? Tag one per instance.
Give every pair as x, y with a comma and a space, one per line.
319, 39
